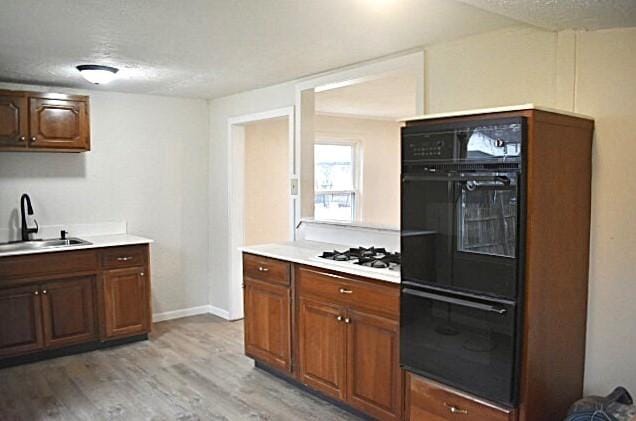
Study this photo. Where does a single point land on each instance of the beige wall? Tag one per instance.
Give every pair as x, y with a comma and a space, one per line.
379, 147
606, 89
267, 182
512, 66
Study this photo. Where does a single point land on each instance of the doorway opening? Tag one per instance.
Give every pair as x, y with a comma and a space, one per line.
261, 178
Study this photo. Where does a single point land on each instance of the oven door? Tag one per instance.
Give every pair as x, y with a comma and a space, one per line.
464, 342
461, 231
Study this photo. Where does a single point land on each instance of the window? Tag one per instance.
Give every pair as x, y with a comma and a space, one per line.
335, 182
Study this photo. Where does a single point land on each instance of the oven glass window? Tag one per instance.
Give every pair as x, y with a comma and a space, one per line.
487, 219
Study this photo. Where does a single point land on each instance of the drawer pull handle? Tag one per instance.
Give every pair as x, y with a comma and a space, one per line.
331, 275
345, 291
124, 259
263, 269
455, 410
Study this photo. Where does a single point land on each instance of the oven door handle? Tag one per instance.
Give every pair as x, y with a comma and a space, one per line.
456, 301
503, 180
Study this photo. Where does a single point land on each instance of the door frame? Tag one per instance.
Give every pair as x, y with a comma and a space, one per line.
236, 196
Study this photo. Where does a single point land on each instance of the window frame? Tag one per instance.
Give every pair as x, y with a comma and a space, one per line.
356, 161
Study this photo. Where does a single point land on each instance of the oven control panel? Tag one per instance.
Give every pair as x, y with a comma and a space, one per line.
428, 146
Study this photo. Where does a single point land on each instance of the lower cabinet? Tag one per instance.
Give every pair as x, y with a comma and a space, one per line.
126, 295
68, 310
373, 365
268, 323
322, 347
350, 355
336, 334
20, 321
47, 315
51, 301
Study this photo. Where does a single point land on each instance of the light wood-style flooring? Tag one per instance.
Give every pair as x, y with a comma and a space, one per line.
190, 369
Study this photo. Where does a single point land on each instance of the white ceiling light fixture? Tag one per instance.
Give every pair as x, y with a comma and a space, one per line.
97, 74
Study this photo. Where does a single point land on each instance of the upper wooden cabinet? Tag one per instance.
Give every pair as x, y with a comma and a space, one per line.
46, 122
14, 127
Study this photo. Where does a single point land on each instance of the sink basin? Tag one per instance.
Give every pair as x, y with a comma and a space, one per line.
41, 244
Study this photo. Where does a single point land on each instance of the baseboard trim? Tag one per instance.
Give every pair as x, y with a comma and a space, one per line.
192, 311
224, 314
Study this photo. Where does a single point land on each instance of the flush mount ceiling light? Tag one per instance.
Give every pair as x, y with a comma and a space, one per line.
97, 74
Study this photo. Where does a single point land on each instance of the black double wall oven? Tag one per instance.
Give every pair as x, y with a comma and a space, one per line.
461, 241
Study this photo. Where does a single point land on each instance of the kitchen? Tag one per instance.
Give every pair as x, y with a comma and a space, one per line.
159, 168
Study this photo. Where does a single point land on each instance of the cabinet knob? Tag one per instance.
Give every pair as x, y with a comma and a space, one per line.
455, 410
345, 291
339, 318
263, 269
33, 138
22, 139
44, 292
347, 320
142, 274
36, 292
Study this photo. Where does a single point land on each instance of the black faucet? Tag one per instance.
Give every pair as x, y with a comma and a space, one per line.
25, 229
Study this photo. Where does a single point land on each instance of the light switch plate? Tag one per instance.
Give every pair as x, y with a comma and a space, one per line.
294, 186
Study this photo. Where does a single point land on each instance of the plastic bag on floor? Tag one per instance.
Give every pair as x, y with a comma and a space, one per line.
617, 406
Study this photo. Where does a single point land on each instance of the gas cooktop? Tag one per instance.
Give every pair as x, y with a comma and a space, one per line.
373, 257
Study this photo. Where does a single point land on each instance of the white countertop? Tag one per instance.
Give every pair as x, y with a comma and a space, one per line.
97, 241
307, 252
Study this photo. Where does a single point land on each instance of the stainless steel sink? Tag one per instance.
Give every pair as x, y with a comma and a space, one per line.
41, 244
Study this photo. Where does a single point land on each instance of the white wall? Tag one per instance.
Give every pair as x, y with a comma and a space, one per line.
148, 166
379, 145
266, 194
588, 72
220, 110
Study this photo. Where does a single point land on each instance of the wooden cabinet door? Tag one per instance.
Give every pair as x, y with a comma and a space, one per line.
68, 307
126, 305
20, 321
268, 324
322, 347
14, 126
58, 124
373, 370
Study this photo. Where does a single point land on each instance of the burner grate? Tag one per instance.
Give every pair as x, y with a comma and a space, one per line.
374, 257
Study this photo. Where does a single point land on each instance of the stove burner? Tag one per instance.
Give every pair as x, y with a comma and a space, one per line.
339, 256
373, 257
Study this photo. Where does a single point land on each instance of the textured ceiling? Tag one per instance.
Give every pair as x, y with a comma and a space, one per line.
211, 48
390, 97
565, 14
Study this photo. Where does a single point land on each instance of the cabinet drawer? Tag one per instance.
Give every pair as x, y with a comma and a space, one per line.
118, 257
427, 400
37, 265
349, 291
266, 269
